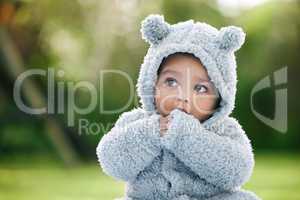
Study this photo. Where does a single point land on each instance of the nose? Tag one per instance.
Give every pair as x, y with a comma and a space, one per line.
183, 105
183, 95
185, 100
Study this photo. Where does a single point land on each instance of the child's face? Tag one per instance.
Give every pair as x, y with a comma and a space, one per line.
183, 83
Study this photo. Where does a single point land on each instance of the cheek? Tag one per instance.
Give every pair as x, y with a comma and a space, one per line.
204, 104
202, 108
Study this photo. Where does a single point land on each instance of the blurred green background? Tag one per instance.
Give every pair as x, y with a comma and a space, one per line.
43, 157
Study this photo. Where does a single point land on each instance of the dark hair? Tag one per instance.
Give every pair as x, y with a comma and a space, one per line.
218, 100
163, 62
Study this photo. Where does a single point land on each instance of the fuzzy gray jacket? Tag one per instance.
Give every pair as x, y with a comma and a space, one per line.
193, 161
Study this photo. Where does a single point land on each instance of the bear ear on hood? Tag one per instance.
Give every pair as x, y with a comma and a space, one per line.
231, 38
154, 29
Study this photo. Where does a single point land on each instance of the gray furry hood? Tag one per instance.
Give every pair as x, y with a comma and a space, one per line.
215, 48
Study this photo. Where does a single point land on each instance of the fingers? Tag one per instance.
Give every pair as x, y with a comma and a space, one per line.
169, 117
164, 124
165, 120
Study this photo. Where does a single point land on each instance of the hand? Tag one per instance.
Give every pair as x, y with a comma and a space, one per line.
164, 124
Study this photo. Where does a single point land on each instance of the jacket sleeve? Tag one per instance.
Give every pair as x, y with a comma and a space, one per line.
130, 145
222, 157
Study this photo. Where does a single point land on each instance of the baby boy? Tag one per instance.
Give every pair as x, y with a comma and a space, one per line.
182, 144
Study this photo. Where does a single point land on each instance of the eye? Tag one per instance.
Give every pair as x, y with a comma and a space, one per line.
200, 88
171, 82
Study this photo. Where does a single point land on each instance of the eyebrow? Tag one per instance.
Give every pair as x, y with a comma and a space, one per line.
169, 71
175, 72
204, 80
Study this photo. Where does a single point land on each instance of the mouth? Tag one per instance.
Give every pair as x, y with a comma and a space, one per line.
183, 110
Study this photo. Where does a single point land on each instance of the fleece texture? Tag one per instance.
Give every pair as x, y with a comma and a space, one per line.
195, 160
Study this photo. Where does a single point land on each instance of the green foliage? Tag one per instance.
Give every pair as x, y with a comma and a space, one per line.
84, 37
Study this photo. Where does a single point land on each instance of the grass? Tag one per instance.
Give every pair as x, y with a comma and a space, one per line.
276, 177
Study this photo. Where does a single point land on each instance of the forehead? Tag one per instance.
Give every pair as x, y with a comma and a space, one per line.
179, 64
